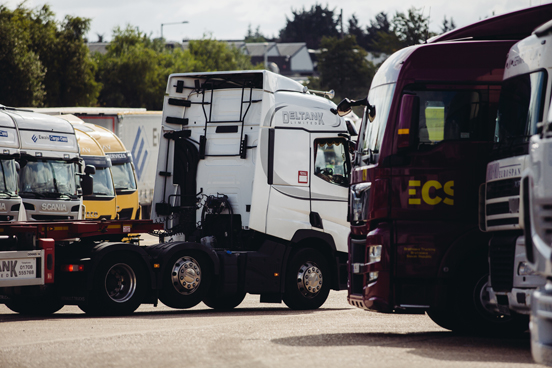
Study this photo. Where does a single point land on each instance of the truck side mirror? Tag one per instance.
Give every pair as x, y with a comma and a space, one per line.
90, 169
408, 121
87, 185
87, 181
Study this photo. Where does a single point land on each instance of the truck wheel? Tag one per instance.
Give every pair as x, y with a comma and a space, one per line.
307, 280
223, 303
35, 306
467, 310
119, 286
186, 280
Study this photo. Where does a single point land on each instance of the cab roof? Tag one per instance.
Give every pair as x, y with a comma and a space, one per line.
511, 26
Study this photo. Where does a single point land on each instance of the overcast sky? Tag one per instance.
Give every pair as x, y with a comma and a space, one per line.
229, 19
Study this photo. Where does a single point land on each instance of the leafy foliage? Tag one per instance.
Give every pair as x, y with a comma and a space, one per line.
43, 62
135, 69
343, 67
310, 26
256, 36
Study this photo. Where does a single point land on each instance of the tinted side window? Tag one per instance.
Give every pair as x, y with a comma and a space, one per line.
331, 161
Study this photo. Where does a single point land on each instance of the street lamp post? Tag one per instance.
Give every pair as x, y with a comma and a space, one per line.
168, 24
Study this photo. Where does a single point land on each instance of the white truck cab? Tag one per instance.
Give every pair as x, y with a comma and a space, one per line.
535, 55
252, 162
522, 109
49, 164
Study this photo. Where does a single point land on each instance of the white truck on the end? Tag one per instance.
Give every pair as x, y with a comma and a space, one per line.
522, 109
536, 191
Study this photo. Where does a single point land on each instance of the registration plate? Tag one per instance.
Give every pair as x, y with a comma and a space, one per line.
18, 269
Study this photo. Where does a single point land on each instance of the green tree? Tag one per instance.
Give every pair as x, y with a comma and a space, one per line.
310, 26
411, 28
44, 62
447, 25
256, 36
135, 69
343, 67
212, 55
21, 71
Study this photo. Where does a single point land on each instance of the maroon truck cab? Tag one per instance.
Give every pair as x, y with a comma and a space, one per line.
414, 244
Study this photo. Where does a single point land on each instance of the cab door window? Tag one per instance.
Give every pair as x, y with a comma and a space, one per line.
331, 162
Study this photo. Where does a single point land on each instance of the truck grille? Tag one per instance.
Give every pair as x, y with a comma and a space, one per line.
501, 258
498, 208
503, 188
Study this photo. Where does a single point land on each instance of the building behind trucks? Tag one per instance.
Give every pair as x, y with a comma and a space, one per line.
535, 53
522, 108
50, 165
251, 189
422, 152
11, 208
138, 130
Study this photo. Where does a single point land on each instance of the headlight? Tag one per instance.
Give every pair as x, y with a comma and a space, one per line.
525, 270
374, 253
359, 195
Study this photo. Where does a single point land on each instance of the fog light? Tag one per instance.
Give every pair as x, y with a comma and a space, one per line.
525, 270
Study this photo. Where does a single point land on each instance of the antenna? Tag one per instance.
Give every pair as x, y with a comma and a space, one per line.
428, 20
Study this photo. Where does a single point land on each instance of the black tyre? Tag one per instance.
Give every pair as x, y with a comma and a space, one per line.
468, 310
186, 280
307, 283
35, 306
120, 285
223, 303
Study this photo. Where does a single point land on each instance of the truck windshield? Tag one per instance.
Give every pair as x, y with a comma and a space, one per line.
47, 178
8, 184
123, 177
103, 183
520, 109
371, 133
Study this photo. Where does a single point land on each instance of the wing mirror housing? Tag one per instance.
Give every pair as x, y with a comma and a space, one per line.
87, 181
346, 105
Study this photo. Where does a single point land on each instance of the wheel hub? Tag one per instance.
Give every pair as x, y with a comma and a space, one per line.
309, 279
120, 282
186, 275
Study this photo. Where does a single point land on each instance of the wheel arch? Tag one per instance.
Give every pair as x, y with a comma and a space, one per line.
103, 250
322, 242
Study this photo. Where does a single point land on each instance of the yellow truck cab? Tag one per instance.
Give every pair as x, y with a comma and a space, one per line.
124, 176
102, 203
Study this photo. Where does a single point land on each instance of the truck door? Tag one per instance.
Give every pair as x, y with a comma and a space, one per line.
329, 178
